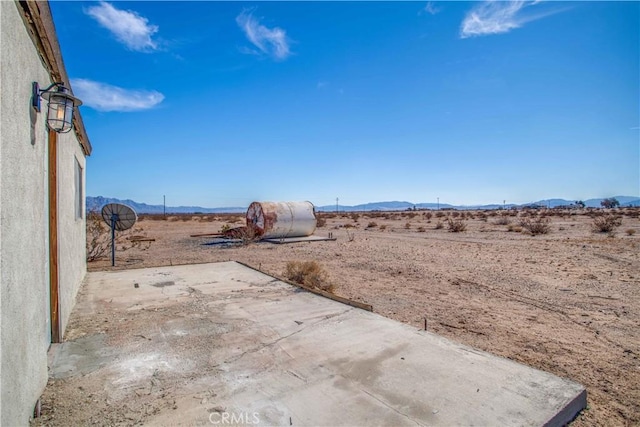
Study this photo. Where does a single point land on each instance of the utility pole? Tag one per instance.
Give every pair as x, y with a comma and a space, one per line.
337, 205
504, 204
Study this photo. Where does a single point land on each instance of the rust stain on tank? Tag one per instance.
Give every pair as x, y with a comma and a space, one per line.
270, 218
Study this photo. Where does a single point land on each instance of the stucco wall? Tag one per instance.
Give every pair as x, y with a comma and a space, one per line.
24, 259
72, 257
24, 327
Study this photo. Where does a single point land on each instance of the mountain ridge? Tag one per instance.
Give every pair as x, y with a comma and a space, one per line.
96, 203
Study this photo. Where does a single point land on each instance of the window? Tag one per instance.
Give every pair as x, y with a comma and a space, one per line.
79, 191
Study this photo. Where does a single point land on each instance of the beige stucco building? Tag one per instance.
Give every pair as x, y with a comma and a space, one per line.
42, 214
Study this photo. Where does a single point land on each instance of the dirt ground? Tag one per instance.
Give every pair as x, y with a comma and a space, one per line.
567, 302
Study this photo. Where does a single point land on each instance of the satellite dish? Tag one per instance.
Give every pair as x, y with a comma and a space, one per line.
118, 217
123, 215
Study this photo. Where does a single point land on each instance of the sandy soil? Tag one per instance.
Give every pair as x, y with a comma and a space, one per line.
567, 302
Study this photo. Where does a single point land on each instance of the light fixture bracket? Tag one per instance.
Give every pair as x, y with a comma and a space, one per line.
60, 105
36, 93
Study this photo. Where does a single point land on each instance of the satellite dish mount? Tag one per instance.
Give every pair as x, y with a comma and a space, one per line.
119, 217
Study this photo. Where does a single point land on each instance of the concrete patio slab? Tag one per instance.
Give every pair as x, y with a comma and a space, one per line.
224, 344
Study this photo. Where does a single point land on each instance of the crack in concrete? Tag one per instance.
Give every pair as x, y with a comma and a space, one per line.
388, 405
272, 343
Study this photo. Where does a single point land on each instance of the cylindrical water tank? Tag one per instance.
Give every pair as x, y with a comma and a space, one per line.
275, 220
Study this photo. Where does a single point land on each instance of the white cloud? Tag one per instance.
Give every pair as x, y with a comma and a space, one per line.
105, 97
129, 28
430, 8
270, 41
496, 17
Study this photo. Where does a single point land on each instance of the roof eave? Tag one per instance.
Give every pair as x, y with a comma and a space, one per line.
39, 22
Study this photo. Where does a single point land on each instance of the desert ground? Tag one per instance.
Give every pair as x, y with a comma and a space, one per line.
566, 301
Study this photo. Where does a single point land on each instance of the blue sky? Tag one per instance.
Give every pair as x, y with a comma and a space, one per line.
223, 103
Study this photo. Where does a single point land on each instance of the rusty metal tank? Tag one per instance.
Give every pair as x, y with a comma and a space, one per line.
277, 220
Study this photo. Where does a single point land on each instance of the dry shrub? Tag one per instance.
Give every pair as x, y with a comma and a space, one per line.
383, 227
407, 225
502, 220
428, 215
350, 236
152, 217
348, 225
456, 225
421, 229
515, 228
439, 225
439, 214
320, 222
98, 241
247, 235
606, 223
372, 224
99, 238
308, 273
536, 225
630, 231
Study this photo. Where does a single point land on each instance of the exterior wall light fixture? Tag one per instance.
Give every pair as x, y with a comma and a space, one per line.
60, 105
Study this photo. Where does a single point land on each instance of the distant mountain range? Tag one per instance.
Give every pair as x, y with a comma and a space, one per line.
96, 203
549, 203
